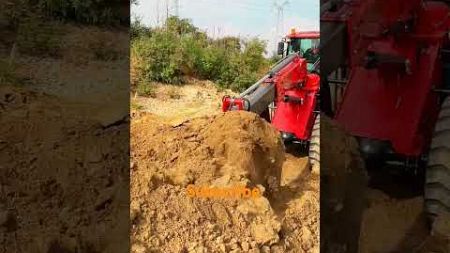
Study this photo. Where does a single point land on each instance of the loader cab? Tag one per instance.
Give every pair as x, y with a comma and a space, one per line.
304, 43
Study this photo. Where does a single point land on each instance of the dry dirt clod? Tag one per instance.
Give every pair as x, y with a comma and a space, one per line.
245, 246
265, 249
266, 233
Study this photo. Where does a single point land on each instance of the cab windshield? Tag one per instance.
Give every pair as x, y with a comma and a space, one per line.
306, 47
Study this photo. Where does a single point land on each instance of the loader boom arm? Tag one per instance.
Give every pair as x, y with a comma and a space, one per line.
293, 92
260, 95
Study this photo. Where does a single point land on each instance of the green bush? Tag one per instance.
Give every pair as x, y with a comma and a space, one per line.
180, 26
244, 80
193, 54
229, 72
252, 56
159, 58
229, 43
210, 65
137, 29
178, 49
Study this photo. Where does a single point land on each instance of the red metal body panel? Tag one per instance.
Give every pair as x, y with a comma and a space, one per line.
304, 35
294, 81
386, 102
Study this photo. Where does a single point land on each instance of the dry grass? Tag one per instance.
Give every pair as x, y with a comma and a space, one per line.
173, 92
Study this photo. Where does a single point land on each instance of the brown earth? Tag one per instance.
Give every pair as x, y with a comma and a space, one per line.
399, 225
64, 172
393, 222
52, 154
225, 150
343, 179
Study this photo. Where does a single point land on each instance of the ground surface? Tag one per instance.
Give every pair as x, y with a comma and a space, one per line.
392, 224
52, 154
63, 166
187, 140
174, 104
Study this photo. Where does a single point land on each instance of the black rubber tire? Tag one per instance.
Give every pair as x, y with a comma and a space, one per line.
314, 143
343, 184
437, 179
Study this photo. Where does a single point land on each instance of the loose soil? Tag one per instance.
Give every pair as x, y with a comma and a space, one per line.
223, 150
399, 225
64, 170
52, 153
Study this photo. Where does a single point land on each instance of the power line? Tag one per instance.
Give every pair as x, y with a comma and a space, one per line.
279, 7
167, 9
157, 12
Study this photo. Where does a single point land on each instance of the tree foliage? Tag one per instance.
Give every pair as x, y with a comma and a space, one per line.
179, 49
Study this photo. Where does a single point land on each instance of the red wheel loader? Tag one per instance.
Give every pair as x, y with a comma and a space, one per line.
386, 79
287, 96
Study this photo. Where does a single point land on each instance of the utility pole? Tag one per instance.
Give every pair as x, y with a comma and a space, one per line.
167, 9
279, 7
157, 13
176, 4
278, 32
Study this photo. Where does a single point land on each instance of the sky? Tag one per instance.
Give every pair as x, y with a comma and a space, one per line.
244, 18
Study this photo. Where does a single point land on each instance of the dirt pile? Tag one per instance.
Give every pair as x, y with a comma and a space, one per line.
51, 155
297, 203
230, 147
225, 150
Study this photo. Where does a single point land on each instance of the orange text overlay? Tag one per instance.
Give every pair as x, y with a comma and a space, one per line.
222, 192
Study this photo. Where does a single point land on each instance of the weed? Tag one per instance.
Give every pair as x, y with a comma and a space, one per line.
145, 90
135, 106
